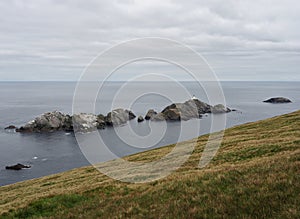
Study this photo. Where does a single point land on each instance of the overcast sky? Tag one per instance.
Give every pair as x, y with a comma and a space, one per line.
241, 39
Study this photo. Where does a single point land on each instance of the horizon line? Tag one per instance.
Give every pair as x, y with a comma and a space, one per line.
3, 81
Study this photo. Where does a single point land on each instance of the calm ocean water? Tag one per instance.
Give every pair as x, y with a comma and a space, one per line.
57, 152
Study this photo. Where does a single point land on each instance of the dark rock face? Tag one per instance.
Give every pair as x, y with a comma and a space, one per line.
278, 100
118, 117
10, 127
172, 114
150, 113
140, 119
101, 121
17, 167
201, 106
131, 114
68, 124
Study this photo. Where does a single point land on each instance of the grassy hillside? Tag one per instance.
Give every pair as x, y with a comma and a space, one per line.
255, 174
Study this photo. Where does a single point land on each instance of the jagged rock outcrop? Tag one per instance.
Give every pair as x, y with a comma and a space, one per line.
184, 111
172, 114
118, 117
48, 122
278, 100
190, 109
82, 122
150, 114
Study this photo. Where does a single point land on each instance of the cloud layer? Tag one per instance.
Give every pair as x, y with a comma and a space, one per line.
241, 39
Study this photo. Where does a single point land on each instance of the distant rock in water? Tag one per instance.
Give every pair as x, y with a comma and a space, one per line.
10, 127
17, 167
190, 109
172, 114
220, 108
82, 122
101, 122
158, 117
150, 114
118, 117
48, 122
278, 100
140, 119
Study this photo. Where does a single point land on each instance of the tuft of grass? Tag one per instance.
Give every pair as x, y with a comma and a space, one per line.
255, 174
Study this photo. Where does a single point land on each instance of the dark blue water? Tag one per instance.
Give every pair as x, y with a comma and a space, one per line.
57, 152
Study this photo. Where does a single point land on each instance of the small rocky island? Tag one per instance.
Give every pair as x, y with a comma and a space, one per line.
57, 121
83, 122
190, 109
17, 167
278, 100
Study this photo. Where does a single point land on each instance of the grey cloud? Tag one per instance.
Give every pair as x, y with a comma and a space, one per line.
58, 38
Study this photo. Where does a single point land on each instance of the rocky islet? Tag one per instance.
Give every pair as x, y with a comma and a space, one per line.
84, 122
277, 100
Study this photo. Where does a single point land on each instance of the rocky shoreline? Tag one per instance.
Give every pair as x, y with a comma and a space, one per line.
84, 122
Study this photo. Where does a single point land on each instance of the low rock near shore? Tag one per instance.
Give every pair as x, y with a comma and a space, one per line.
17, 167
278, 100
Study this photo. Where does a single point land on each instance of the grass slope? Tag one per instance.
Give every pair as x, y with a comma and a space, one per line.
255, 174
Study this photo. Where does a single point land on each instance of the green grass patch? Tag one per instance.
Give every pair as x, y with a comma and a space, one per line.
249, 153
46, 207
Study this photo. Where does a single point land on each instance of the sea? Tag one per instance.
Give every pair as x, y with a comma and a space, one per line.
50, 153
